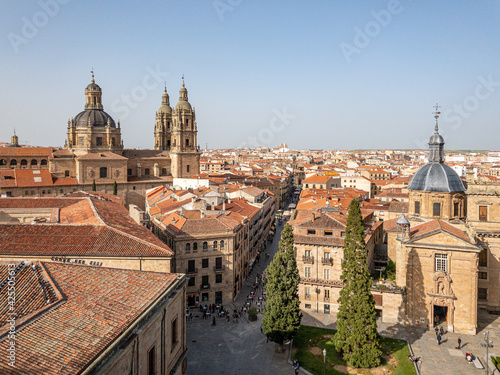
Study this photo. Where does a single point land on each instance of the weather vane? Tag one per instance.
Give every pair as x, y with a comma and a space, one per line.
436, 113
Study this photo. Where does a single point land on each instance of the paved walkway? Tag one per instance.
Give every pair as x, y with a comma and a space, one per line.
239, 348
235, 348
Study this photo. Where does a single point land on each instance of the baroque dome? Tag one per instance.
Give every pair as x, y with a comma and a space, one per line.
436, 177
97, 118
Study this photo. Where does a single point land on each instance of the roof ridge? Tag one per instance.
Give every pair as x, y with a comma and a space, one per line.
139, 239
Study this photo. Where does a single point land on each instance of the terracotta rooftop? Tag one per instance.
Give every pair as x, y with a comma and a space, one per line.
86, 310
88, 225
25, 151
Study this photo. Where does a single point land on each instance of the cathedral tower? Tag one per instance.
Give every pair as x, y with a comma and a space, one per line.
184, 151
163, 124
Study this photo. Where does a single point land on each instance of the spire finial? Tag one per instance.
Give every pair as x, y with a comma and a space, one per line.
165, 87
92, 71
436, 116
183, 80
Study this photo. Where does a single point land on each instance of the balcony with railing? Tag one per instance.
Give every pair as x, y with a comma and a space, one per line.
219, 268
308, 260
307, 296
327, 261
191, 271
205, 286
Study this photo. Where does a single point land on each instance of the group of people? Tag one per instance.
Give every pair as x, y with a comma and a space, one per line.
439, 334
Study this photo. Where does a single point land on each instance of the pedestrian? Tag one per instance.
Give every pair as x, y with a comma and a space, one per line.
438, 339
436, 329
213, 322
459, 342
441, 331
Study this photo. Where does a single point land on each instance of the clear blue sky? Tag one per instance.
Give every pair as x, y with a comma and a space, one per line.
315, 74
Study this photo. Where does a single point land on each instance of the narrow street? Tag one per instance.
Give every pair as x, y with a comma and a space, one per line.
236, 348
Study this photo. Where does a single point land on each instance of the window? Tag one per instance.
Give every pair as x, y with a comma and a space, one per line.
146, 171
308, 253
13, 162
215, 244
192, 281
188, 247
221, 244
187, 168
24, 162
98, 141
307, 306
191, 265
174, 333
195, 246
187, 141
326, 274
482, 275
80, 141
311, 232
327, 294
103, 172
482, 294
66, 173
112, 142
218, 278
483, 213
326, 255
441, 262
307, 272
326, 309
204, 280
43, 162
152, 361
4, 162
164, 171
417, 208
328, 233
307, 291
218, 263
342, 234
456, 212
34, 162
129, 172
205, 245
204, 296
187, 122
436, 209
204, 263
483, 258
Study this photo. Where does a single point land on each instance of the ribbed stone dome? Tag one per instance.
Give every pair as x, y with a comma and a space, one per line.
97, 118
436, 177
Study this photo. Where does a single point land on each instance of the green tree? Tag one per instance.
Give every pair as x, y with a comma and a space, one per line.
282, 313
357, 337
115, 188
93, 186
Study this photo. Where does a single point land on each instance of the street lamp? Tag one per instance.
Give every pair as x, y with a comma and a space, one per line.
324, 361
419, 364
488, 342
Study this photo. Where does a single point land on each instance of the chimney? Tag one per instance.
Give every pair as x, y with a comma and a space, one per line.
224, 206
213, 207
313, 216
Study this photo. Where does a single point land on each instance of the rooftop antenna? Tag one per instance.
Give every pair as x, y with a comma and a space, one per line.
436, 114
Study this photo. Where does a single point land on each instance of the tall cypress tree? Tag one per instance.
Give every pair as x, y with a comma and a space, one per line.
282, 312
357, 337
115, 188
93, 186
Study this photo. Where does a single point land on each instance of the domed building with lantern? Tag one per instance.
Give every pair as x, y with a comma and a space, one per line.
446, 254
94, 154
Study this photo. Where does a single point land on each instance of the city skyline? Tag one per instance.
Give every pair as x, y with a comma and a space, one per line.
363, 75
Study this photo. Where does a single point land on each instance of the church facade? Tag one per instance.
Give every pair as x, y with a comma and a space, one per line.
94, 153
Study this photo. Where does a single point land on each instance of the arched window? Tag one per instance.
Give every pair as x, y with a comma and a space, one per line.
3, 162
215, 244
205, 245
221, 244
13, 162
24, 162
34, 162
187, 141
43, 162
188, 247
195, 246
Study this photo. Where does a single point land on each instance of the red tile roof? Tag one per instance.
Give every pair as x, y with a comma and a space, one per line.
95, 307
